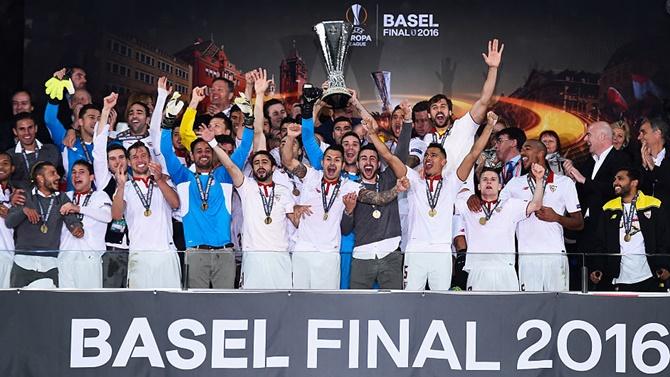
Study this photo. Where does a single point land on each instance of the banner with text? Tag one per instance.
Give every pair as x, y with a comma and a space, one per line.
50, 333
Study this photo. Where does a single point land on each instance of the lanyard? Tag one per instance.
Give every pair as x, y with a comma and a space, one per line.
531, 181
87, 154
324, 194
267, 203
77, 199
628, 218
488, 211
436, 138
25, 157
146, 201
45, 216
204, 194
432, 198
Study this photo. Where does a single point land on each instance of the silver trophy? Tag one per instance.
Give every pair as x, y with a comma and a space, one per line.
334, 37
382, 81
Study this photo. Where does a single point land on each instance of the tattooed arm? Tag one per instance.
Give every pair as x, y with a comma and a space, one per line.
289, 161
377, 198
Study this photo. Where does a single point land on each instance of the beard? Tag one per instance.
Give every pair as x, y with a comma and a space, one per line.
263, 177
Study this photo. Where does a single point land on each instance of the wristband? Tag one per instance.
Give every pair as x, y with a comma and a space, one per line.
213, 143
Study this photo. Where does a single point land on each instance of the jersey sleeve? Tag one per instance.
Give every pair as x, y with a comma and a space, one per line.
460, 206
287, 201
517, 210
570, 197
312, 149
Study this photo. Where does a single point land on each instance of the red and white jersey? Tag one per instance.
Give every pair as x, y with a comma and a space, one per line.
535, 235
96, 214
256, 234
425, 230
148, 233
491, 244
316, 233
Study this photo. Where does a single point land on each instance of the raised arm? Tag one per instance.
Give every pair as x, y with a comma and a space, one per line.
118, 203
55, 126
492, 59
186, 127
537, 171
398, 167
207, 134
170, 195
261, 84
402, 149
287, 159
310, 109
477, 148
100, 139
178, 172
157, 115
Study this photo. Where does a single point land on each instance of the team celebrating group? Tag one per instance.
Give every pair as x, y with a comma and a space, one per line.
321, 197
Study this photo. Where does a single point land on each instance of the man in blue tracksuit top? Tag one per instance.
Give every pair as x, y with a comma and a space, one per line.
83, 146
205, 194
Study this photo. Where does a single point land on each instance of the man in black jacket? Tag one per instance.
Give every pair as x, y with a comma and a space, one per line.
594, 179
655, 160
632, 225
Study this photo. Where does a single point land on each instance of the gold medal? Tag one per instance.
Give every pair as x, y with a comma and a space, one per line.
44, 228
325, 216
268, 220
147, 212
296, 192
432, 212
626, 237
376, 214
482, 220
204, 206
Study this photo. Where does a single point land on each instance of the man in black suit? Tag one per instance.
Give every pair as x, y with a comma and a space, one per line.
594, 180
655, 160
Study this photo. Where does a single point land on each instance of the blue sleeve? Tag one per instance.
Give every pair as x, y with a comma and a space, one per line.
54, 125
314, 153
178, 172
240, 155
221, 175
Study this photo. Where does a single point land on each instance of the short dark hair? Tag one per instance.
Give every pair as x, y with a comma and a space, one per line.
231, 85
138, 145
38, 169
265, 153
288, 120
634, 174
86, 108
23, 116
144, 105
196, 141
85, 164
9, 156
553, 134
268, 103
491, 169
234, 109
334, 147
419, 107
226, 120
350, 134
115, 145
396, 108
437, 98
514, 133
23, 90
438, 146
225, 139
343, 119
367, 147
658, 123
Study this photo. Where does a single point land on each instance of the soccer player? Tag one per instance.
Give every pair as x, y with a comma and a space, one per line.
8, 197
80, 259
146, 202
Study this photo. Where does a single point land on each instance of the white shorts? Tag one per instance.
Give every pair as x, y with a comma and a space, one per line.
316, 270
266, 270
544, 272
153, 269
6, 263
80, 269
431, 267
499, 278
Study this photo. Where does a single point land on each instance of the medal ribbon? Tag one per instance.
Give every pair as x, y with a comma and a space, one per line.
77, 199
204, 194
628, 217
146, 201
25, 157
45, 216
324, 194
440, 140
432, 198
87, 154
267, 202
488, 211
531, 181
